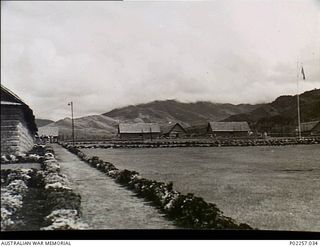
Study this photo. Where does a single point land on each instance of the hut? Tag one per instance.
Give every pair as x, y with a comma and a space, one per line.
310, 128
228, 129
139, 131
174, 130
48, 133
18, 127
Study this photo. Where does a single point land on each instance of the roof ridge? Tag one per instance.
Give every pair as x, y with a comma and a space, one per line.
12, 93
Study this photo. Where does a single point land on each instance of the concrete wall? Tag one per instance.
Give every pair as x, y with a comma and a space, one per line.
15, 136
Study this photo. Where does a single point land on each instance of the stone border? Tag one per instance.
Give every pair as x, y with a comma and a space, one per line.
187, 211
209, 143
62, 204
27, 158
12, 194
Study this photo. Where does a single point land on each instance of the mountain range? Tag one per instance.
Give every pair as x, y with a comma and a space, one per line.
280, 116
277, 116
163, 112
42, 122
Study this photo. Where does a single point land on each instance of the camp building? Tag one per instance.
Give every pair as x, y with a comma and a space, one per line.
310, 128
174, 130
18, 127
48, 133
139, 131
228, 129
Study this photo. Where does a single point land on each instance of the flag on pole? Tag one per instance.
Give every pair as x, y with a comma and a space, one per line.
303, 75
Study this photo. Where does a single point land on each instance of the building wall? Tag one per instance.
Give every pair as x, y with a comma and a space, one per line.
139, 136
229, 134
16, 137
48, 134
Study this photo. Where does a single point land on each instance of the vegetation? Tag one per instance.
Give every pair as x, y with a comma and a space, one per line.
280, 116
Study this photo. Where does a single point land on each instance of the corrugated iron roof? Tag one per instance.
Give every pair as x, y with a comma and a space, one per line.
6, 92
229, 126
9, 103
8, 98
309, 125
48, 131
139, 128
168, 128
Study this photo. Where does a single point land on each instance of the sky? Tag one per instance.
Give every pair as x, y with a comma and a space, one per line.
105, 55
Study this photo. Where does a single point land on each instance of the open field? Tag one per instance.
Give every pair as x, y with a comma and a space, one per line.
267, 187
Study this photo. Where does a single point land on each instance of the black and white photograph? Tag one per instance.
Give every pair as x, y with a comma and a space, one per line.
160, 117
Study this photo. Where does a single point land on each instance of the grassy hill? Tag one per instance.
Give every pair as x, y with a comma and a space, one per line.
162, 112
280, 116
42, 122
167, 111
95, 126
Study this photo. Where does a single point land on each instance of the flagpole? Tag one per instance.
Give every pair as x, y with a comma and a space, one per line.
298, 101
72, 121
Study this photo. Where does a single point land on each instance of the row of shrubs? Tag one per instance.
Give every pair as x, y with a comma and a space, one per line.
216, 143
35, 155
61, 203
187, 211
23, 158
14, 188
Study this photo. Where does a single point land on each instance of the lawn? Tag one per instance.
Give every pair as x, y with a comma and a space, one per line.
274, 188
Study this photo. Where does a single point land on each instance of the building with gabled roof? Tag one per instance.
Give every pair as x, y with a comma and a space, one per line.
174, 130
48, 132
310, 128
18, 127
228, 129
139, 131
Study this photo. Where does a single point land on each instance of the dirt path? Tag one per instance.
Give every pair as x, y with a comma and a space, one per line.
105, 204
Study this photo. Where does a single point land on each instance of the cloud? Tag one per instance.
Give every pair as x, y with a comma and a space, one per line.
104, 55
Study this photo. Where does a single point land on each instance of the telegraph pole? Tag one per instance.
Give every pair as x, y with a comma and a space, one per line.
298, 100
72, 121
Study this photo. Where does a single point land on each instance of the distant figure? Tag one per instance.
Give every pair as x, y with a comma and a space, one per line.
265, 135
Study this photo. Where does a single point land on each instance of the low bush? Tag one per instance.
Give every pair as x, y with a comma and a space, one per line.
187, 211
